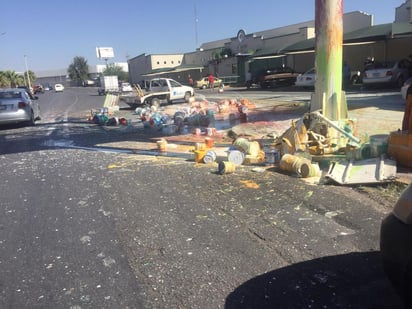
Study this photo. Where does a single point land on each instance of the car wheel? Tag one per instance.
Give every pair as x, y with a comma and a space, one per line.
204, 87
399, 82
31, 122
187, 96
355, 80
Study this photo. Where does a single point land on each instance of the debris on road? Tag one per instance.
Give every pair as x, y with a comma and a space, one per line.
312, 146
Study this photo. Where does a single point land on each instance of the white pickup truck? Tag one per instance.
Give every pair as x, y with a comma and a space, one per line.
158, 90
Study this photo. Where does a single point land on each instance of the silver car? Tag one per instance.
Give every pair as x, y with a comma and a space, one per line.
387, 72
18, 106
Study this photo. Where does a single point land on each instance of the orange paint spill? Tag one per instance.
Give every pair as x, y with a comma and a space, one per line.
250, 184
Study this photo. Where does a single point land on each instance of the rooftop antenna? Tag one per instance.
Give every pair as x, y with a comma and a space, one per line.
196, 22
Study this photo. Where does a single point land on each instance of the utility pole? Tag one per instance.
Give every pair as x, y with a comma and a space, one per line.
329, 96
27, 72
196, 22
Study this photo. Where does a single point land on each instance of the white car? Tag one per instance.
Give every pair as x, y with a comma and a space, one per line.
18, 105
405, 87
387, 72
306, 79
58, 88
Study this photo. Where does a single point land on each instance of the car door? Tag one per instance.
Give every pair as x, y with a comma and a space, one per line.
176, 90
34, 104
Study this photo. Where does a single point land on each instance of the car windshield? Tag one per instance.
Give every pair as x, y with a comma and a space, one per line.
380, 65
10, 95
175, 83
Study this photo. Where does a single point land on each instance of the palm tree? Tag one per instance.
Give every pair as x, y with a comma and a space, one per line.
12, 79
3, 80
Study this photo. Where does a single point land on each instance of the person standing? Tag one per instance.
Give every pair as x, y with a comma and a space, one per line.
190, 79
248, 79
211, 81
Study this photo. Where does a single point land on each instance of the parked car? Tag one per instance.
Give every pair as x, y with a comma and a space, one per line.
125, 87
396, 246
203, 83
18, 105
306, 79
387, 72
405, 87
58, 88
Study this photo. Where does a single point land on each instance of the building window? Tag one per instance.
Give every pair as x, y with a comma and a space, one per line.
164, 62
158, 62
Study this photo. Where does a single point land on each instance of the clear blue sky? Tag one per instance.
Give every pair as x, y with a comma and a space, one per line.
52, 33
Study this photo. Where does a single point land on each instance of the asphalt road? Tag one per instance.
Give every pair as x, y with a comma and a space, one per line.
89, 227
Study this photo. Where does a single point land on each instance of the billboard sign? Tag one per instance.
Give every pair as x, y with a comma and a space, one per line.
104, 52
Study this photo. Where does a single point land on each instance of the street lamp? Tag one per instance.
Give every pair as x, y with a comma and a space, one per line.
27, 72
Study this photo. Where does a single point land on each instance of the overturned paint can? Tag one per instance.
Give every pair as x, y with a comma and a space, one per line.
209, 157
226, 167
199, 155
236, 157
248, 147
291, 163
308, 169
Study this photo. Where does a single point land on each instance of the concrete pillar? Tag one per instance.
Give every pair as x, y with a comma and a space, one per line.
328, 96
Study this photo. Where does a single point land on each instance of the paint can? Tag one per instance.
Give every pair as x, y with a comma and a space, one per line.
210, 131
272, 156
209, 142
161, 145
248, 147
291, 163
226, 167
200, 146
236, 157
209, 157
199, 155
378, 145
308, 169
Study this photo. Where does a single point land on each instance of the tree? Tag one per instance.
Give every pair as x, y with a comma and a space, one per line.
32, 76
3, 80
11, 79
113, 69
78, 70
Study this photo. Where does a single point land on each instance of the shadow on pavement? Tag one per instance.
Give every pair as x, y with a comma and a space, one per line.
354, 280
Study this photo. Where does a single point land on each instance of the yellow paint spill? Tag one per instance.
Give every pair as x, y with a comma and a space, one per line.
309, 194
250, 184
